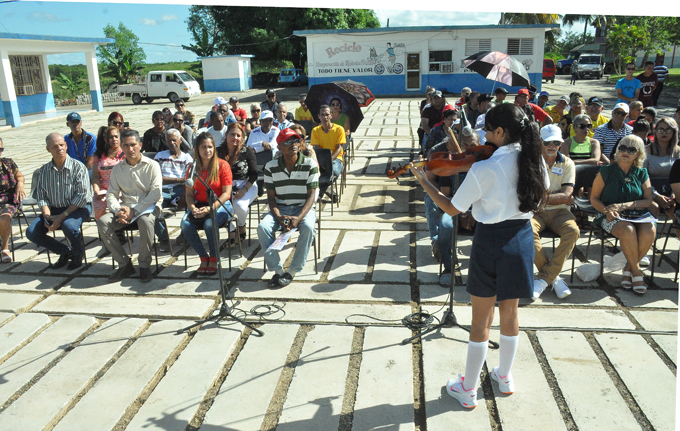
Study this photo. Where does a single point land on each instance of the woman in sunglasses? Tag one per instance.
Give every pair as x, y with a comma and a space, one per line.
116, 120
582, 149
622, 190
109, 153
11, 194
338, 117
253, 122
662, 152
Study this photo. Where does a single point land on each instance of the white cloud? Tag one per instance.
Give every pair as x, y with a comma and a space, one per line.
45, 17
147, 21
168, 17
412, 18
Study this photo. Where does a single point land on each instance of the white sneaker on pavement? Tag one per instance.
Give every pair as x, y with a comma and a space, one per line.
505, 384
466, 398
560, 287
539, 287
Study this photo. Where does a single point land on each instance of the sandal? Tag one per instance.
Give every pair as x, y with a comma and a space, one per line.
627, 284
204, 266
639, 289
6, 256
211, 270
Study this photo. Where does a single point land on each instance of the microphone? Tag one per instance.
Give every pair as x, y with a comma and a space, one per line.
190, 179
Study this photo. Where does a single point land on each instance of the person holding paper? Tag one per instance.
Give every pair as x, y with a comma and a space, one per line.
134, 194
623, 190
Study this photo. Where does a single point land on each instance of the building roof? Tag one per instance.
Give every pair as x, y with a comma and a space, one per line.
41, 37
547, 27
225, 56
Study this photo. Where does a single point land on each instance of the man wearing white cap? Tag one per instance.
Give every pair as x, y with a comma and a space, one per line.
556, 216
556, 111
609, 134
264, 137
219, 101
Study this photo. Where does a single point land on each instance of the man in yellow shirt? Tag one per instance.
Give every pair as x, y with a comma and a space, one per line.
556, 111
302, 113
329, 136
594, 110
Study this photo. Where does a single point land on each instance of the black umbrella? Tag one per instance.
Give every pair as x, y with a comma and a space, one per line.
498, 67
321, 94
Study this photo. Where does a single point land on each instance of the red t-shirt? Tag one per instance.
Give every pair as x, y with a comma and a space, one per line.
224, 179
539, 113
240, 112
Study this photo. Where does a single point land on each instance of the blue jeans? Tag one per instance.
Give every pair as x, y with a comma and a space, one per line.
38, 233
445, 240
433, 216
190, 230
337, 167
168, 196
266, 232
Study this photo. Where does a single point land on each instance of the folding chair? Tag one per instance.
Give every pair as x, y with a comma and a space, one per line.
218, 247
326, 177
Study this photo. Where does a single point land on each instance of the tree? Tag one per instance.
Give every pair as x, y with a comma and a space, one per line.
597, 21
568, 41
661, 33
624, 41
533, 18
71, 84
124, 58
268, 34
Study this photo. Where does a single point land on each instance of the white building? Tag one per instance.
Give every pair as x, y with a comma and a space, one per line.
227, 73
399, 60
25, 84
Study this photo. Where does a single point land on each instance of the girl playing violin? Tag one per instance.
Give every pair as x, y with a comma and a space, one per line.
503, 190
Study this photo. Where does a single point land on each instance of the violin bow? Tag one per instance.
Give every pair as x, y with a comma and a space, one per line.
449, 132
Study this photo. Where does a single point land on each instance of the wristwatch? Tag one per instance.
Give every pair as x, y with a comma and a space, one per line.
66, 213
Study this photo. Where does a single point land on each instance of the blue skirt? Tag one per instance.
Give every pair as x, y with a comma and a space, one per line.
502, 260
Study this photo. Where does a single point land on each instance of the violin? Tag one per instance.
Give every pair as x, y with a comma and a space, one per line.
445, 164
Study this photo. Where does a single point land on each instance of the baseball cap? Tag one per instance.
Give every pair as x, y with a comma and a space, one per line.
623, 106
564, 98
544, 93
220, 101
266, 114
532, 88
484, 98
551, 133
73, 116
270, 91
286, 134
500, 90
596, 101
523, 91
437, 93
233, 99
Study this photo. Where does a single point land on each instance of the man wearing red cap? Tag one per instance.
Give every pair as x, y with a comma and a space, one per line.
541, 116
291, 182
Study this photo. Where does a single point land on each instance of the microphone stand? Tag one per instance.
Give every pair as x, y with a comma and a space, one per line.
225, 311
449, 320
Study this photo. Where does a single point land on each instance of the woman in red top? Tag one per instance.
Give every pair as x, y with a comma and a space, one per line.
217, 174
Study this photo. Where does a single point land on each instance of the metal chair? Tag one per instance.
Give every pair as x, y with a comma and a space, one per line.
227, 223
326, 177
314, 246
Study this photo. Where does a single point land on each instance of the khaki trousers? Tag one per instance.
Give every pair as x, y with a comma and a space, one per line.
562, 222
107, 230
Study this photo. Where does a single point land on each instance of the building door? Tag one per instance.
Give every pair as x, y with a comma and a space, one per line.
413, 72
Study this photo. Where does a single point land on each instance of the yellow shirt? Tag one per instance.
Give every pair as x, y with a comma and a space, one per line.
302, 115
600, 121
554, 114
335, 136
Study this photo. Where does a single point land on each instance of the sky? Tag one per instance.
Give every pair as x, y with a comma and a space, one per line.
161, 28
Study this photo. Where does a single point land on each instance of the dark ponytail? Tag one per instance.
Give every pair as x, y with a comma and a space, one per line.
531, 189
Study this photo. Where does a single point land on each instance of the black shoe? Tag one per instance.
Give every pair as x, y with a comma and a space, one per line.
76, 262
123, 272
274, 282
145, 275
180, 239
121, 236
63, 260
164, 246
285, 279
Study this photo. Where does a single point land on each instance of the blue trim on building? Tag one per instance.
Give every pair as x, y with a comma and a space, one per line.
97, 102
56, 38
11, 112
34, 104
228, 56
423, 28
227, 84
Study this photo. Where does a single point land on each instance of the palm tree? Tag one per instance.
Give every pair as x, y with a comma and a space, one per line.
204, 46
594, 20
533, 18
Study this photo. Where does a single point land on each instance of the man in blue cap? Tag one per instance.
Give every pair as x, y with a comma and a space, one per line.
80, 144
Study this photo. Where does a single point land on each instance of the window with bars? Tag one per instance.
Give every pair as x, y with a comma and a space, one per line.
521, 46
437, 58
473, 46
27, 72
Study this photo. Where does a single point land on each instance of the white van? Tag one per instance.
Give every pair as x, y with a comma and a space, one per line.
171, 84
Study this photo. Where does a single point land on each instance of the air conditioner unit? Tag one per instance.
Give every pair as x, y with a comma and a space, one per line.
28, 90
446, 68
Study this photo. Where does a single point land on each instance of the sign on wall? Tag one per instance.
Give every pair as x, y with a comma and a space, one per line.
355, 59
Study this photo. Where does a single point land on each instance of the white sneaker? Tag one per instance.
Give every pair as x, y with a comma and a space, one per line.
560, 287
466, 398
539, 287
505, 384
644, 261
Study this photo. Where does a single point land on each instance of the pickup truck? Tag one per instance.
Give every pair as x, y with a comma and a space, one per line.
161, 84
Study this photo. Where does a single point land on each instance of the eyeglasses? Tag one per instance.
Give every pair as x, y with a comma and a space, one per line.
292, 141
630, 68
270, 96
629, 150
177, 120
661, 131
335, 104
2, 149
553, 143
179, 104
159, 119
619, 113
117, 123
224, 111
585, 126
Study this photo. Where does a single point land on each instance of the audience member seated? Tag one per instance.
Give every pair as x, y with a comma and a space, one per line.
243, 164
180, 108
338, 117
270, 104
64, 197
174, 167
557, 111
555, 216
291, 182
634, 112
81, 145
239, 113
264, 137
594, 110
134, 195
108, 154
331, 137
432, 114
116, 120
438, 133
154, 138
167, 117
582, 149
11, 195
218, 128
623, 189
186, 132
661, 154
281, 121
217, 174
302, 112
522, 99
674, 180
611, 132
253, 122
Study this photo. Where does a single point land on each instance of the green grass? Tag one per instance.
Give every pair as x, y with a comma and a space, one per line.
672, 80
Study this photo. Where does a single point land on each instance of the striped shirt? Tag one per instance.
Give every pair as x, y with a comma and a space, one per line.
661, 72
61, 188
173, 167
608, 137
291, 188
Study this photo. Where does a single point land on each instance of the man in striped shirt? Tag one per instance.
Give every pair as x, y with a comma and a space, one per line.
291, 182
662, 72
609, 133
64, 196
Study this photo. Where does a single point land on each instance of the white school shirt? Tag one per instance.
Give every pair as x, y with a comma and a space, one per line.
257, 137
490, 187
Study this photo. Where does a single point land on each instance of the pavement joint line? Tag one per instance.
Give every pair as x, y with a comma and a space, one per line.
352, 380
549, 375
419, 403
325, 272
490, 399
368, 276
661, 353
618, 382
32, 337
